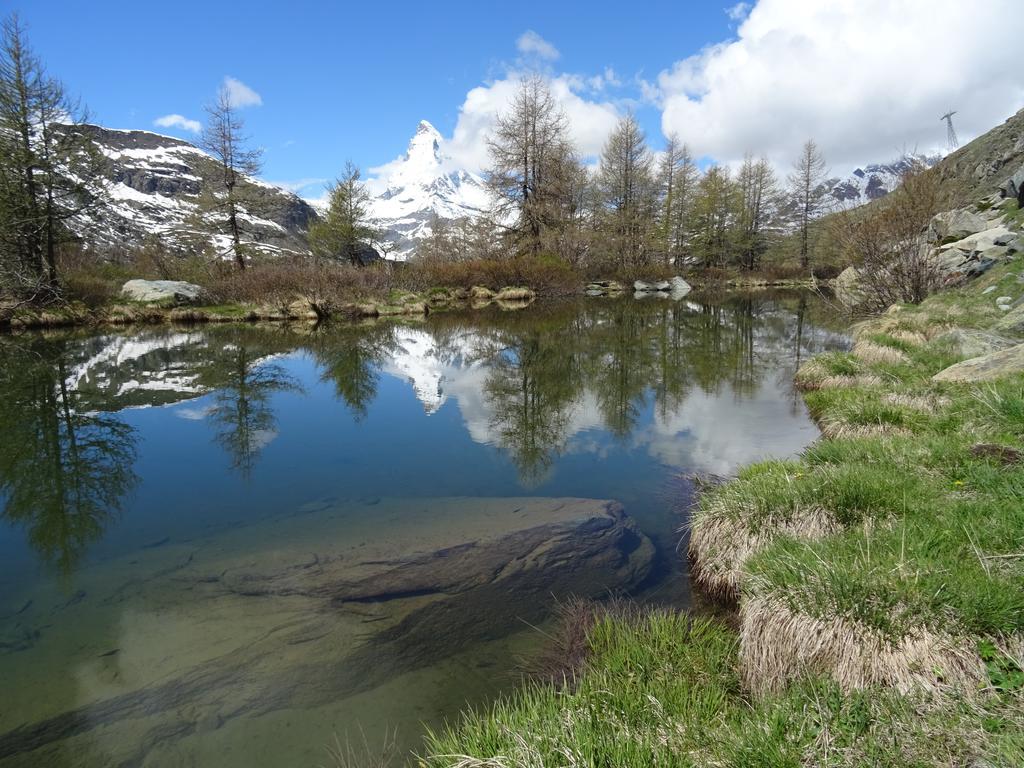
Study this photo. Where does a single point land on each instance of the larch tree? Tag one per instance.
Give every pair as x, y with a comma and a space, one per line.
677, 180
805, 182
345, 231
528, 150
628, 190
50, 169
757, 190
224, 139
714, 209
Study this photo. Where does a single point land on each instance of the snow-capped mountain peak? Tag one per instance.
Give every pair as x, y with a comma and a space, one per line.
416, 187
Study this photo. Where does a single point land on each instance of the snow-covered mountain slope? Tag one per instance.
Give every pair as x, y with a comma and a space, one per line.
413, 189
874, 181
153, 187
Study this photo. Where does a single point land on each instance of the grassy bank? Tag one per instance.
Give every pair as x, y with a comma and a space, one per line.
879, 580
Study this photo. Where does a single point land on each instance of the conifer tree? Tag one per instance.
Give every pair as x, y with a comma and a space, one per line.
225, 140
50, 170
345, 230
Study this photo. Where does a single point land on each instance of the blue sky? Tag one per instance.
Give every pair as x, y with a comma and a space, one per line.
351, 80
337, 80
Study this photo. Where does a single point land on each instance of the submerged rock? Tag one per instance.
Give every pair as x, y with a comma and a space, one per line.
148, 291
304, 610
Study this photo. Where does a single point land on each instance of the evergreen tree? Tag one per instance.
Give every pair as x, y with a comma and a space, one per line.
345, 230
224, 139
50, 170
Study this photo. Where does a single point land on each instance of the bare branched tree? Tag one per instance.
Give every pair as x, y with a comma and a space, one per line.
225, 140
530, 164
758, 208
628, 190
805, 182
888, 245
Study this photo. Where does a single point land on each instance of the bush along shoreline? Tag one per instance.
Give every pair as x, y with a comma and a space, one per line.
304, 289
878, 580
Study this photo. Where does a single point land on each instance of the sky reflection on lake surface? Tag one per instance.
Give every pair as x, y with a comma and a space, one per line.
189, 514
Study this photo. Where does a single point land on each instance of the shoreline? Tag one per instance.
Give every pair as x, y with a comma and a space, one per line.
405, 304
875, 574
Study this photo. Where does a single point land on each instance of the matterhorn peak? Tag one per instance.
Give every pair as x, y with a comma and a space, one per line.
419, 186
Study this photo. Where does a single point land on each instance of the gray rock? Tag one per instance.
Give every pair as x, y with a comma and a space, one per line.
956, 224
989, 290
994, 365
848, 289
1013, 187
969, 343
174, 291
661, 285
1012, 323
679, 287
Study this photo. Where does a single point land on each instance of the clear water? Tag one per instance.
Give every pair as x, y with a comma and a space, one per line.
233, 545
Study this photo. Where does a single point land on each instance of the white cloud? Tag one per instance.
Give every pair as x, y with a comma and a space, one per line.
590, 121
865, 79
532, 44
738, 12
239, 94
178, 121
297, 185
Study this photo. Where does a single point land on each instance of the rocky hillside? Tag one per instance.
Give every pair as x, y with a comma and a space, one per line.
154, 186
980, 167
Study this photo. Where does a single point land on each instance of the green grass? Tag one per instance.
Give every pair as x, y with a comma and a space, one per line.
663, 690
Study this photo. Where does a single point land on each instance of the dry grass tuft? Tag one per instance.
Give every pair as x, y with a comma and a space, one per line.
722, 541
922, 403
779, 645
835, 428
872, 353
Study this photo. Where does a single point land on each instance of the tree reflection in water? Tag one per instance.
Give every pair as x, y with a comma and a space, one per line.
63, 472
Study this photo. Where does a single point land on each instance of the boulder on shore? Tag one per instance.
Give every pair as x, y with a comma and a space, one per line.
987, 367
847, 287
644, 287
679, 287
956, 225
969, 343
150, 291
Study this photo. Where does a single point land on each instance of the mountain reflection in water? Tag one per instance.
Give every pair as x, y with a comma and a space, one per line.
188, 514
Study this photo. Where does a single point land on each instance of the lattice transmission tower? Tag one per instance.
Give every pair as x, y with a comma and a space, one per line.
951, 138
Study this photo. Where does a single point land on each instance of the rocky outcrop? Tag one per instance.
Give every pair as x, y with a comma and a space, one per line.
995, 365
977, 253
969, 343
162, 291
955, 225
1013, 188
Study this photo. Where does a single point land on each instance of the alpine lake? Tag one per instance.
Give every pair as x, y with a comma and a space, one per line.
240, 545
